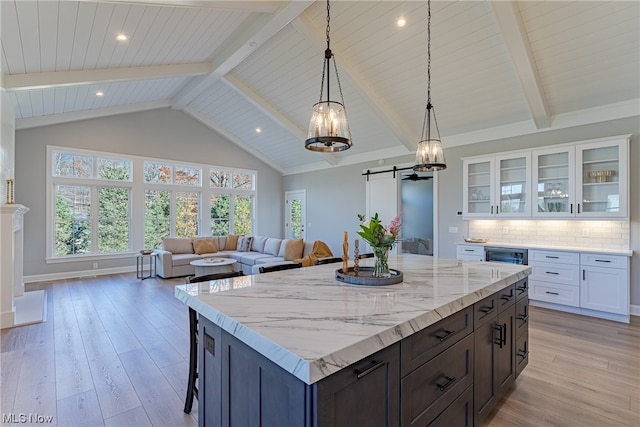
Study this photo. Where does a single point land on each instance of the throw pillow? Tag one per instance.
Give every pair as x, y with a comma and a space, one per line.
204, 245
244, 244
232, 242
177, 245
293, 249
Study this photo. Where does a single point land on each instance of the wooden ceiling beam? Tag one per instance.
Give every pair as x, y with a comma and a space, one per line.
240, 47
305, 26
515, 37
267, 109
30, 81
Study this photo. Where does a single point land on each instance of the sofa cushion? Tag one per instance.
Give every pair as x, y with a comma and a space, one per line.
258, 243
177, 245
272, 246
293, 249
244, 244
271, 259
308, 248
204, 245
283, 246
251, 258
232, 242
183, 259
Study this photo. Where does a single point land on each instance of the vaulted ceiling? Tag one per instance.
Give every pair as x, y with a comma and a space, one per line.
499, 68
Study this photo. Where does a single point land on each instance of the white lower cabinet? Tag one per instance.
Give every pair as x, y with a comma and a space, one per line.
605, 283
555, 277
585, 283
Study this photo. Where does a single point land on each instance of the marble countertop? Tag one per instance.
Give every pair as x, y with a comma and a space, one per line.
312, 325
624, 252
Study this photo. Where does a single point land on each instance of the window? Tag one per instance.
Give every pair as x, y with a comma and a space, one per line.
157, 218
105, 205
187, 214
220, 215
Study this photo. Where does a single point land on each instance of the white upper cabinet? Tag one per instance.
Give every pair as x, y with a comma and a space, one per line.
497, 186
603, 179
581, 180
554, 181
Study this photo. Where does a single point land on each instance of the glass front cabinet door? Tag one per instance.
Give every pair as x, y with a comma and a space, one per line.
554, 181
586, 180
602, 178
478, 178
513, 185
497, 186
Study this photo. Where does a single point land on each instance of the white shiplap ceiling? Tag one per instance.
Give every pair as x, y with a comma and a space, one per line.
499, 69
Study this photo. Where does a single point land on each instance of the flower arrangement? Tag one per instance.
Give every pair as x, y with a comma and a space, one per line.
376, 234
381, 239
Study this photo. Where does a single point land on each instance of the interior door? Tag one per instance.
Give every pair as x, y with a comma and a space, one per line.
382, 198
296, 214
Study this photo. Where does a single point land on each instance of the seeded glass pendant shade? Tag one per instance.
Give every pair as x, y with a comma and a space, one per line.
430, 155
328, 127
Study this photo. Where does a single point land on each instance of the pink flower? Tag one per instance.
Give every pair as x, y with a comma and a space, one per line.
394, 227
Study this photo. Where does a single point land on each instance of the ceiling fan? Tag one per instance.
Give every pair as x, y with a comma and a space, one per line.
415, 177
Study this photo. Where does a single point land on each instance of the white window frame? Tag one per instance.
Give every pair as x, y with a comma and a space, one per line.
137, 188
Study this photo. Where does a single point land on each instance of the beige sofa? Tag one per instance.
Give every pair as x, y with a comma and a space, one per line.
177, 252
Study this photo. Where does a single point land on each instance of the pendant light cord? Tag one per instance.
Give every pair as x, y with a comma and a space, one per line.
429, 52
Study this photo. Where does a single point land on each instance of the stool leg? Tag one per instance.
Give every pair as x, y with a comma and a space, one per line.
192, 389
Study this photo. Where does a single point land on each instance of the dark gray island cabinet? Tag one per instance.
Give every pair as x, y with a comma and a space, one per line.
450, 373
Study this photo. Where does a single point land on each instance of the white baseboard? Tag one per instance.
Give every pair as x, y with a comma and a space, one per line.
75, 274
634, 310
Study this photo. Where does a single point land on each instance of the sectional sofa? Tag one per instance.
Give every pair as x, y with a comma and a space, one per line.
249, 251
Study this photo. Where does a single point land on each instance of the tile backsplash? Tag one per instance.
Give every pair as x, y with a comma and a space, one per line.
586, 234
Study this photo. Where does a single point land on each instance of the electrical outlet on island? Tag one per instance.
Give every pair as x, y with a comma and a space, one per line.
585, 232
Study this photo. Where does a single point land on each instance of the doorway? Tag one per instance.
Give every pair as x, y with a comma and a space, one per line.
296, 214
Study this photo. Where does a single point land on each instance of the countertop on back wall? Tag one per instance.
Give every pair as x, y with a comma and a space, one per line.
627, 252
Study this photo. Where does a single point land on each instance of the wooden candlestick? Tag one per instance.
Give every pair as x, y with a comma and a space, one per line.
345, 253
356, 258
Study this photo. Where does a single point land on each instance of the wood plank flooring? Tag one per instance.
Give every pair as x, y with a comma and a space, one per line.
114, 352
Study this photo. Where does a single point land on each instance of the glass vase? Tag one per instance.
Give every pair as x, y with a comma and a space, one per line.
381, 265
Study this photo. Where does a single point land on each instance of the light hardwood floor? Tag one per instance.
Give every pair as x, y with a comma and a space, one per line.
114, 352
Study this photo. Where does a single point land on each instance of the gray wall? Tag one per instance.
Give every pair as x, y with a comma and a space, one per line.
163, 133
334, 196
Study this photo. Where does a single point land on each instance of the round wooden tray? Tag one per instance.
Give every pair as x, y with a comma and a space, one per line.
365, 278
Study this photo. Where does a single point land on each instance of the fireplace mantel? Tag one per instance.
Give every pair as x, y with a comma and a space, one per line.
11, 256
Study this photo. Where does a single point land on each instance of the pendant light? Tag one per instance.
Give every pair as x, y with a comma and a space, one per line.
328, 128
430, 156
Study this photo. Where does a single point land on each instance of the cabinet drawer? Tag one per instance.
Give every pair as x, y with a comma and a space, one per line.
522, 353
522, 288
554, 257
522, 317
458, 414
429, 342
506, 297
470, 252
485, 310
559, 294
431, 388
599, 260
556, 274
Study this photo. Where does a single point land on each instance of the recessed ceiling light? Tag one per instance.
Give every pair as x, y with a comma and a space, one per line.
258, 130
122, 37
99, 93
401, 22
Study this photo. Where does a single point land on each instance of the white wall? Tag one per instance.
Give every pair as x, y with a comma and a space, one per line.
7, 140
163, 133
334, 196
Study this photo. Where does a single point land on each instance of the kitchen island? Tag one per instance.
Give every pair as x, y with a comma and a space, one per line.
299, 348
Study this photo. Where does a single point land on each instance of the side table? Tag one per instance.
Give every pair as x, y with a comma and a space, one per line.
140, 270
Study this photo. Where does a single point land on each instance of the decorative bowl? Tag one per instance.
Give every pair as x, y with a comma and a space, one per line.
146, 251
474, 240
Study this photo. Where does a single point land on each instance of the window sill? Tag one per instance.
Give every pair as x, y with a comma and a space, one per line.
93, 257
